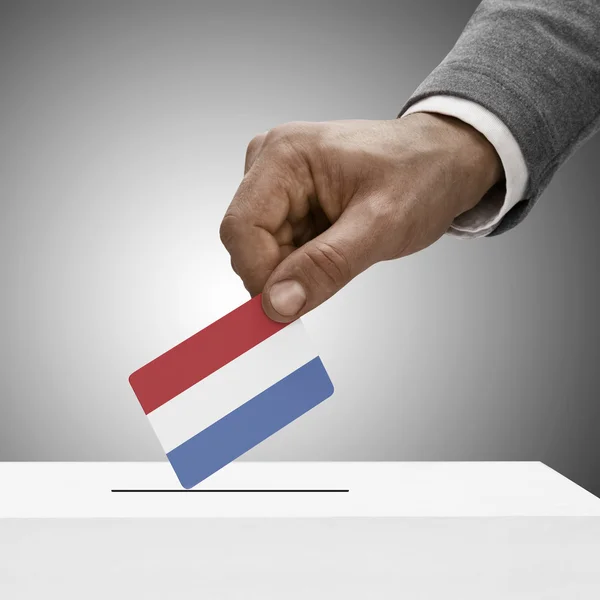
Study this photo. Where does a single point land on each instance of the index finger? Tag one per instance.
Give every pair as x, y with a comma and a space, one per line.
254, 229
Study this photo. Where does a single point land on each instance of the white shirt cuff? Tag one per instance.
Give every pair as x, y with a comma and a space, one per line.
483, 218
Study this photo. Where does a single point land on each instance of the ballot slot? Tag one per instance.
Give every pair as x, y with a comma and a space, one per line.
292, 491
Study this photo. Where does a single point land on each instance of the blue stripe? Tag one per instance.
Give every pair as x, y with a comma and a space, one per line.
251, 423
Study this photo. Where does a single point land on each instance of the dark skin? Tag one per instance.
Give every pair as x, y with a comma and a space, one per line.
322, 202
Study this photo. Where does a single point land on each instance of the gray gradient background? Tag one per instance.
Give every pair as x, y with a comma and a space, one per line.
123, 128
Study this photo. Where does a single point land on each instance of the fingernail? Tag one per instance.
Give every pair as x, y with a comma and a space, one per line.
287, 297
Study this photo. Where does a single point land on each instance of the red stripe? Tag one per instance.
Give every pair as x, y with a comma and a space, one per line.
202, 354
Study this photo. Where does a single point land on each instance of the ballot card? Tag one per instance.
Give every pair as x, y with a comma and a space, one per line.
224, 390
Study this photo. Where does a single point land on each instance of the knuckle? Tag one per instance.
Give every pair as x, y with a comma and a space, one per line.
287, 135
282, 132
228, 229
276, 135
287, 147
254, 146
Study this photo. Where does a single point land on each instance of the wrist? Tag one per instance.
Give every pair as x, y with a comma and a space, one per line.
469, 157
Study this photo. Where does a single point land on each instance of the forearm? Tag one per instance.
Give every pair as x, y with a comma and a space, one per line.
535, 64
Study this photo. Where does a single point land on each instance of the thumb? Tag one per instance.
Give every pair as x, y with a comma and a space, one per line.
314, 272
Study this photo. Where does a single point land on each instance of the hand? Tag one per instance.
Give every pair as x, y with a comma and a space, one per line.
322, 202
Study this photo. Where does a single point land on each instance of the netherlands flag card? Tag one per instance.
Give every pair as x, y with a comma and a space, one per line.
224, 390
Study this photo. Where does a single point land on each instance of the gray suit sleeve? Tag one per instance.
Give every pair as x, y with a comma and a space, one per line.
536, 65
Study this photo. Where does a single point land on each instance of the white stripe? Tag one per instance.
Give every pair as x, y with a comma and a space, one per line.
231, 386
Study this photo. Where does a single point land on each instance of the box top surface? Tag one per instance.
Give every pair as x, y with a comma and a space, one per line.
292, 489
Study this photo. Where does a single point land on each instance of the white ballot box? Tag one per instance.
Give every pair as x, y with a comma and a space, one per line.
485, 530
